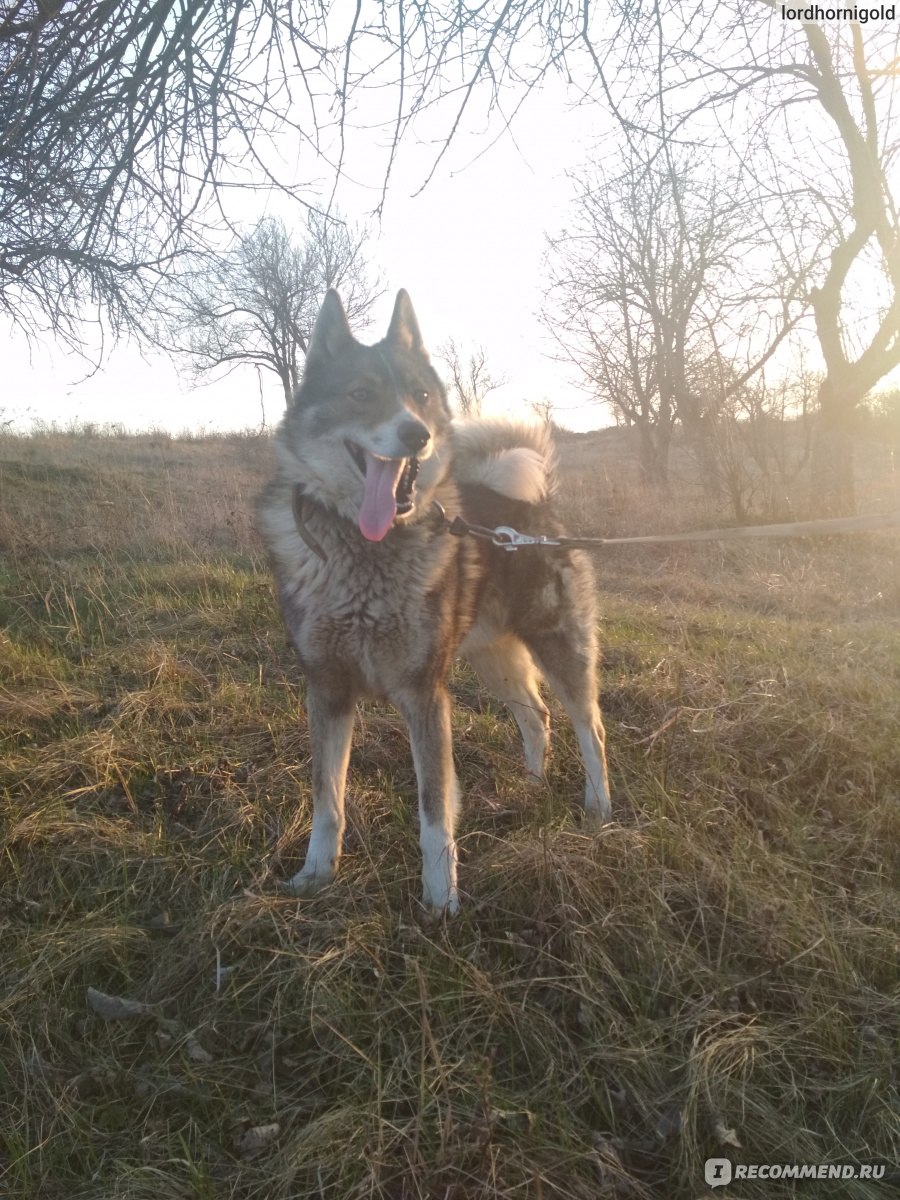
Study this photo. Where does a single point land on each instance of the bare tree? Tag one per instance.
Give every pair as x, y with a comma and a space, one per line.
844, 84
122, 124
256, 304
756, 436
471, 379
455, 65
647, 284
543, 410
126, 124
812, 111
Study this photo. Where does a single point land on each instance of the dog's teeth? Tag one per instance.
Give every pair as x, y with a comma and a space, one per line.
405, 486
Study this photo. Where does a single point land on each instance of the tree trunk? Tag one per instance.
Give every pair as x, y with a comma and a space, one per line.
653, 455
833, 492
287, 384
700, 434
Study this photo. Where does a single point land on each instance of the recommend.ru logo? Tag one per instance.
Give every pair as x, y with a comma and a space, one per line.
717, 1171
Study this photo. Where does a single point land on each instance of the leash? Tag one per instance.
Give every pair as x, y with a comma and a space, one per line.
508, 538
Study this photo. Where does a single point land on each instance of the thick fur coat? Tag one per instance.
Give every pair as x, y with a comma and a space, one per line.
379, 598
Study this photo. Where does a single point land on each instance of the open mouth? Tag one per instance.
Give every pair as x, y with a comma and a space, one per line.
389, 487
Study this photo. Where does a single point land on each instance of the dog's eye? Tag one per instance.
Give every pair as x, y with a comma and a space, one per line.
361, 395
423, 396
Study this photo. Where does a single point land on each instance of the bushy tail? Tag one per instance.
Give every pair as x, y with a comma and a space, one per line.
509, 457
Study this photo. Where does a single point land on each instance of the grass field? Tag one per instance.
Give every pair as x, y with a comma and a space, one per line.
713, 974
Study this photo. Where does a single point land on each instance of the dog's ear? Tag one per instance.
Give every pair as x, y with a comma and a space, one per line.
404, 328
331, 332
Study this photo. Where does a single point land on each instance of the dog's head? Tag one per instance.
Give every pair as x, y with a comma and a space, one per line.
367, 426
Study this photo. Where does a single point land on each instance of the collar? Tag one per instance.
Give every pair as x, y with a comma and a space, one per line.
300, 503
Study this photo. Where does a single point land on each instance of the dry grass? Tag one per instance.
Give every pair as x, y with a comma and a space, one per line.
719, 966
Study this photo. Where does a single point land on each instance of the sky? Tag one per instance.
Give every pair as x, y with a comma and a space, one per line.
468, 249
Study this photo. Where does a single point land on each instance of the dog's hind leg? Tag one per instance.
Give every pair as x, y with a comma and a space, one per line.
568, 659
428, 718
507, 669
330, 714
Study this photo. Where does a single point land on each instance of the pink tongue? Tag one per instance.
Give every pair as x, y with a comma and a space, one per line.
379, 506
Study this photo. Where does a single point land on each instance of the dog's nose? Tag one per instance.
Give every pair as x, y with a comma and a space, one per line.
414, 435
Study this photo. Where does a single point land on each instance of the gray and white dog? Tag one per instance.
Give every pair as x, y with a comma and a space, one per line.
379, 598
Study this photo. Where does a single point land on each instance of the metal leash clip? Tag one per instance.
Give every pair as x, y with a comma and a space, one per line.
511, 539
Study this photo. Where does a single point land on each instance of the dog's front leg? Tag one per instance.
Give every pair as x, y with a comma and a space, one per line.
428, 718
330, 712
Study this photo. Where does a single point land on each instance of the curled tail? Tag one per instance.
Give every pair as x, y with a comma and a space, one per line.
510, 457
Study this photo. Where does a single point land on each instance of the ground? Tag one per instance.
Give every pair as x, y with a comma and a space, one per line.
713, 974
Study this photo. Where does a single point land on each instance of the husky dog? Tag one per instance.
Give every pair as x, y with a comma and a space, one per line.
378, 597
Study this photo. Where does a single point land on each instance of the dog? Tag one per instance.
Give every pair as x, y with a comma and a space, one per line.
379, 598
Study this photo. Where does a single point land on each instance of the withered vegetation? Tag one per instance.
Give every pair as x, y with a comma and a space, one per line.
714, 973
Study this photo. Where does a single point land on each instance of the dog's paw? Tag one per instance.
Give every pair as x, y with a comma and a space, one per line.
441, 906
439, 894
595, 819
306, 882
